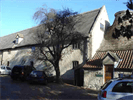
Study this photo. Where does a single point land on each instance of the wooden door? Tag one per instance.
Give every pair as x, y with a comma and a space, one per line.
108, 72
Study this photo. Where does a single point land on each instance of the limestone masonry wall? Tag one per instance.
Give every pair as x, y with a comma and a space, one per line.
91, 80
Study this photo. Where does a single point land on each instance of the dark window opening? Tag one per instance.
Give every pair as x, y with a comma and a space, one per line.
9, 51
75, 63
33, 49
101, 26
0, 52
16, 41
76, 46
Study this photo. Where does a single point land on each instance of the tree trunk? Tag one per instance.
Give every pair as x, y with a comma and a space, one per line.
57, 69
58, 79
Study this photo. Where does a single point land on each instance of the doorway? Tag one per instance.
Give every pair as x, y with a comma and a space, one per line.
79, 77
108, 72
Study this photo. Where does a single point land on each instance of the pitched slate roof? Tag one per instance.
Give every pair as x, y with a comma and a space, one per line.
86, 21
126, 57
84, 26
6, 42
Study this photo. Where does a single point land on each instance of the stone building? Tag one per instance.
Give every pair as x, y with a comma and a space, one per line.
17, 48
114, 57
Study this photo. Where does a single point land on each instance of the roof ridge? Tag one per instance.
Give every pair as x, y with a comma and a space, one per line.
90, 11
95, 19
125, 60
115, 50
8, 35
19, 31
39, 24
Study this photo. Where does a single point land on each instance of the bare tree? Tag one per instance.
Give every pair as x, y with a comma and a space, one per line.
129, 4
125, 23
124, 26
55, 33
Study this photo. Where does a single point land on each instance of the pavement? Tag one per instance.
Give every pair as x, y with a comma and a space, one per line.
17, 90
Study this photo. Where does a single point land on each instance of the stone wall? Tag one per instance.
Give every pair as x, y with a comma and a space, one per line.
24, 56
91, 80
94, 82
66, 63
116, 73
18, 57
7, 56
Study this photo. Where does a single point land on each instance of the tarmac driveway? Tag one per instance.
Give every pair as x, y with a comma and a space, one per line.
11, 90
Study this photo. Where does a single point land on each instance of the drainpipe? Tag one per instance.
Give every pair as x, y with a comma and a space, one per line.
2, 58
85, 51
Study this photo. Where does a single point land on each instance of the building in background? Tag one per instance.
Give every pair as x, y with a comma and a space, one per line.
112, 59
17, 48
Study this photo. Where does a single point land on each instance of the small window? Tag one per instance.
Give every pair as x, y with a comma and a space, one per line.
76, 46
9, 51
0, 52
75, 63
16, 40
101, 26
33, 49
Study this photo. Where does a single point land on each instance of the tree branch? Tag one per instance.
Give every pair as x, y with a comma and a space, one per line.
50, 51
46, 58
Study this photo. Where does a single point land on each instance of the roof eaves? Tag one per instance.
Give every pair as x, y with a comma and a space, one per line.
94, 21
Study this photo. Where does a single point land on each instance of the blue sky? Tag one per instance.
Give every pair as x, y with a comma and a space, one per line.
16, 15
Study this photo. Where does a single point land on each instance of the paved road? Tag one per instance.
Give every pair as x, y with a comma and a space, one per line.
11, 90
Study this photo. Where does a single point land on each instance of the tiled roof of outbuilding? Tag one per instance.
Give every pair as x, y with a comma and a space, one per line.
126, 57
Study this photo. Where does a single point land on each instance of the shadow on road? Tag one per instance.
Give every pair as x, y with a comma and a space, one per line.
22, 90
